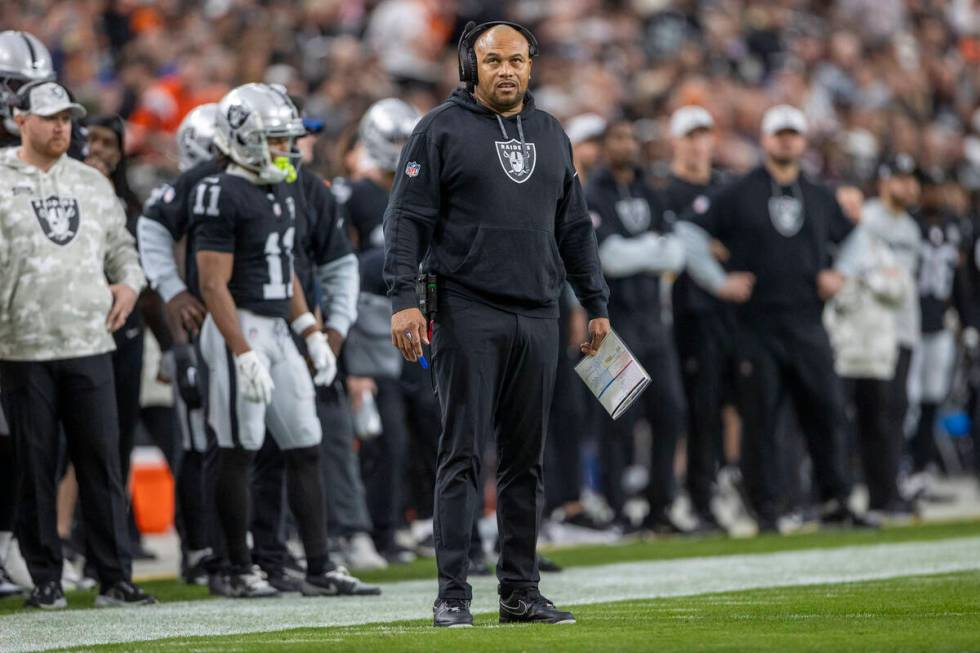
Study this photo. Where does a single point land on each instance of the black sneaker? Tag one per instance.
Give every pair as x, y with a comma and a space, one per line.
218, 584
528, 606
661, 523
123, 593
337, 582
452, 613
706, 523
283, 581
7, 585
837, 514
47, 596
249, 585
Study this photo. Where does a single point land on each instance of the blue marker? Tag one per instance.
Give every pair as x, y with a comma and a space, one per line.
424, 363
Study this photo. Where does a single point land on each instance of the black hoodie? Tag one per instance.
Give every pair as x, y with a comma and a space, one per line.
496, 208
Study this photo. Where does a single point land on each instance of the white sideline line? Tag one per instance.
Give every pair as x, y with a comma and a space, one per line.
35, 631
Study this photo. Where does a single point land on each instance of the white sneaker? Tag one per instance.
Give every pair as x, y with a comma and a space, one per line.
250, 586
361, 554
7, 585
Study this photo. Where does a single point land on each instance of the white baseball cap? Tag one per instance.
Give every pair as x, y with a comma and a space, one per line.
50, 98
687, 119
783, 117
585, 127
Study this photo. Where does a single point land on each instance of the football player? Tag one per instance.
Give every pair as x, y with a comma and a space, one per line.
245, 232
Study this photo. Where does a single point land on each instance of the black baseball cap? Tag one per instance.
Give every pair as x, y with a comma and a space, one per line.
900, 164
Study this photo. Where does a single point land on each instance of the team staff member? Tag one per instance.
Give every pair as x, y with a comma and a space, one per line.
702, 324
779, 227
486, 186
635, 251
62, 234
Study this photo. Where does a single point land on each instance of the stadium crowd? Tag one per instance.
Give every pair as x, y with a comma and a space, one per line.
667, 106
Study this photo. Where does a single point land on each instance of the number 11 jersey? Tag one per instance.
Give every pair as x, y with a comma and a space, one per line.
257, 224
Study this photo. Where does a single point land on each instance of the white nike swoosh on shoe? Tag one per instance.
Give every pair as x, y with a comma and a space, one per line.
520, 609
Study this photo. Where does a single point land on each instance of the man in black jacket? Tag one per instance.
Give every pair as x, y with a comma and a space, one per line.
781, 229
486, 190
635, 251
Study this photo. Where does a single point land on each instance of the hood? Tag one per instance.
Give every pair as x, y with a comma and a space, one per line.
465, 99
9, 159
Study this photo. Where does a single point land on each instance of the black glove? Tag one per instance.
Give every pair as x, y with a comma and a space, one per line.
187, 377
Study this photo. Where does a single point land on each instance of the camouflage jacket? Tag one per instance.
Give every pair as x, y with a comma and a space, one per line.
63, 239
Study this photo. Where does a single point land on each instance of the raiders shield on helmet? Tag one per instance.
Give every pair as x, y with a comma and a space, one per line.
58, 217
517, 160
786, 214
237, 115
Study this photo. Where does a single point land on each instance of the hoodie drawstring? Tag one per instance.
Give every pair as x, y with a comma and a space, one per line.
520, 131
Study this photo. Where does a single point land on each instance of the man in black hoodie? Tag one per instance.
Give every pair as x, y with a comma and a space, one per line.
486, 191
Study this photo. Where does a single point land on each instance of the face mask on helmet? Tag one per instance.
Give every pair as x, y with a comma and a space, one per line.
250, 115
384, 130
195, 136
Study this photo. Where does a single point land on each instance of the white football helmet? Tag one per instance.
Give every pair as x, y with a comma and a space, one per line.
23, 59
195, 136
384, 130
249, 115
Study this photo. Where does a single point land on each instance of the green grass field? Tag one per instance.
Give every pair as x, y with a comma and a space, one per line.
928, 612
925, 613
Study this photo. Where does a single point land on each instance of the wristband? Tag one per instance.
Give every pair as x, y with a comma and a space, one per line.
302, 323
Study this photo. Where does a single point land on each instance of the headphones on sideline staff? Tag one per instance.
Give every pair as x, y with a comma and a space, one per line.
467, 54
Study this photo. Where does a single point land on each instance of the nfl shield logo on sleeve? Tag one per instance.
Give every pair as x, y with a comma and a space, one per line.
413, 169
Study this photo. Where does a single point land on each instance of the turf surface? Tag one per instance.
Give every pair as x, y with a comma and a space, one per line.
922, 613
669, 548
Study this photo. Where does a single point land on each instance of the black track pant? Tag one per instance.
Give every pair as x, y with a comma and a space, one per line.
495, 373
791, 358
704, 347
383, 464
662, 403
79, 394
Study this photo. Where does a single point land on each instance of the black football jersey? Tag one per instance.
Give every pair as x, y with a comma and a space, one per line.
938, 270
169, 205
363, 204
320, 234
257, 224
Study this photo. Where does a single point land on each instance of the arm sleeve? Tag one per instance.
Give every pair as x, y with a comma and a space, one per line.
156, 246
339, 284
578, 247
701, 264
623, 257
122, 264
411, 216
215, 233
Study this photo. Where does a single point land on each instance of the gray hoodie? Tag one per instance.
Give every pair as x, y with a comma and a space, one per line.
63, 240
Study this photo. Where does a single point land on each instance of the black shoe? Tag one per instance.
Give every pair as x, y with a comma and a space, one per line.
452, 613
660, 523
706, 523
47, 596
584, 520
139, 552
7, 585
836, 514
338, 582
283, 581
249, 585
528, 606
123, 593
548, 566
218, 584
199, 573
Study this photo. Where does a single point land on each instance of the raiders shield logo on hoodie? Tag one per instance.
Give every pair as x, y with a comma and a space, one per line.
58, 217
517, 160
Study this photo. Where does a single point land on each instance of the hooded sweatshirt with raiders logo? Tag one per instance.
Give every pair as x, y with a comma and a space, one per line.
784, 235
495, 207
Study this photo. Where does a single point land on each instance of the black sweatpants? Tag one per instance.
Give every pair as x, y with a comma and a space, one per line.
705, 349
384, 463
79, 394
563, 451
495, 373
662, 404
777, 357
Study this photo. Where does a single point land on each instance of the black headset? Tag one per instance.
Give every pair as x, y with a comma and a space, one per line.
467, 55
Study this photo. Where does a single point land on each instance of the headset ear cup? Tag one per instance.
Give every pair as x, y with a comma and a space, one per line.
471, 62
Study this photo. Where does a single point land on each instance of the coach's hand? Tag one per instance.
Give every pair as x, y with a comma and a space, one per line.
737, 287
254, 380
185, 310
123, 301
598, 330
409, 333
